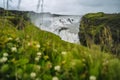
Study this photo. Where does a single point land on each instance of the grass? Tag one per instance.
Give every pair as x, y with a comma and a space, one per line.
34, 54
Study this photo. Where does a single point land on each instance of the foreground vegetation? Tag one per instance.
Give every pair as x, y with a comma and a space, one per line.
29, 53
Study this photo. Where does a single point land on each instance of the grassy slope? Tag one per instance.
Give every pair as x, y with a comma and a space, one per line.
76, 62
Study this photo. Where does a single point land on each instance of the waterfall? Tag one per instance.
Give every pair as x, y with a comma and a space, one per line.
65, 26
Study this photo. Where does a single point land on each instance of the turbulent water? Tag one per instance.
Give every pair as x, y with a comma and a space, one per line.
66, 26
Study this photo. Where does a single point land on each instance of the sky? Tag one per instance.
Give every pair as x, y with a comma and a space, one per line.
75, 7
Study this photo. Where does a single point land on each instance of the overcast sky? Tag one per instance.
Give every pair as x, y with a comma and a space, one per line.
69, 6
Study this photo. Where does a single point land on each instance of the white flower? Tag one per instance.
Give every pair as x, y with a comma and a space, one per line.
38, 45
64, 53
39, 54
13, 49
55, 78
3, 59
37, 59
33, 75
92, 78
5, 54
57, 68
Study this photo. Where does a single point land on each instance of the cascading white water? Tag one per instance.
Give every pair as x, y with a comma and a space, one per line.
66, 26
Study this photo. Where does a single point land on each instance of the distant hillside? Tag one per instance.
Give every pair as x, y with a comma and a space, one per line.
102, 29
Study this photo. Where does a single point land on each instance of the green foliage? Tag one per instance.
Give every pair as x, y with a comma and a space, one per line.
33, 54
113, 69
94, 15
101, 29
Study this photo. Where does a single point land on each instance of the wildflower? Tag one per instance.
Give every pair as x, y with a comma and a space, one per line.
63, 62
10, 38
49, 65
105, 62
33, 75
37, 59
83, 60
13, 49
73, 63
38, 67
64, 53
39, 54
92, 78
55, 78
29, 44
27, 36
17, 39
55, 50
46, 57
5, 54
13, 60
57, 68
38, 46
37, 79
4, 59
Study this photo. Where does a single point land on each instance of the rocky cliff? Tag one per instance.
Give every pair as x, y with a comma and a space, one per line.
101, 29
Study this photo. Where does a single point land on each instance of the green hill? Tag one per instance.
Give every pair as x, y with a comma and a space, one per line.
28, 53
101, 29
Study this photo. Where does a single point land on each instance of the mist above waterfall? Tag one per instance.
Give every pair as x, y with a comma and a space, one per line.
65, 26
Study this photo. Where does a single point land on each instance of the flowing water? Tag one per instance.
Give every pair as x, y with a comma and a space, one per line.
65, 26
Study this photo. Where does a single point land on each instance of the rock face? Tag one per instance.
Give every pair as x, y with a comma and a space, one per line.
1, 10
101, 29
66, 26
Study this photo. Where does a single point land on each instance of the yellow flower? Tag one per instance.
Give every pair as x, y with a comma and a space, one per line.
29, 44
46, 57
10, 38
63, 62
64, 53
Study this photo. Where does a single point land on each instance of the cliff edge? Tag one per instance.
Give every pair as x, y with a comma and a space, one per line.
101, 29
